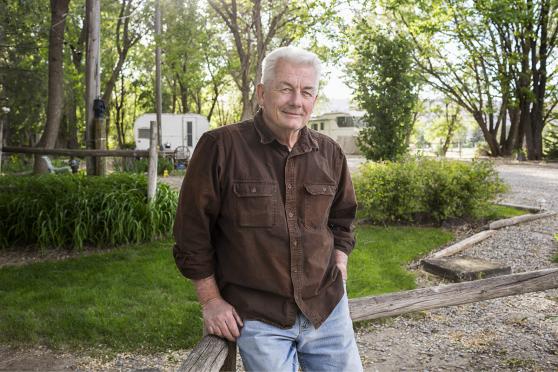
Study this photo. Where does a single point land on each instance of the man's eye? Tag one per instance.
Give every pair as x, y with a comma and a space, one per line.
285, 90
307, 94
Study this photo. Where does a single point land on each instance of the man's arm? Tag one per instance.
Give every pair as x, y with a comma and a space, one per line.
219, 317
341, 218
341, 260
197, 213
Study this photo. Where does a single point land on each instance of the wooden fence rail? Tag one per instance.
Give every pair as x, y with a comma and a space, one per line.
214, 354
76, 152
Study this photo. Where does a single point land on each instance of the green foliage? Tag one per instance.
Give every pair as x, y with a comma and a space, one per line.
386, 85
425, 190
130, 298
72, 210
141, 166
377, 265
551, 143
16, 164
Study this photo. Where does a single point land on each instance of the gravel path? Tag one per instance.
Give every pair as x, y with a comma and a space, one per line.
517, 333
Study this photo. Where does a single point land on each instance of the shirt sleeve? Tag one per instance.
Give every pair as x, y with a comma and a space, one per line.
343, 211
198, 210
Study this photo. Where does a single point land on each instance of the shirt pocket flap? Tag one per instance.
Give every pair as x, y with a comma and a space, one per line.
320, 189
252, 189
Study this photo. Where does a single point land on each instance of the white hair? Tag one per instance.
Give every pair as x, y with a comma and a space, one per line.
293, 55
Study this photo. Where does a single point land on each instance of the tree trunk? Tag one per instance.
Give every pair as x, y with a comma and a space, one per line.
55, 102
489, 137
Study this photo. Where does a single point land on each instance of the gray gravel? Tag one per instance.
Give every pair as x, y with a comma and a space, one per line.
518, 333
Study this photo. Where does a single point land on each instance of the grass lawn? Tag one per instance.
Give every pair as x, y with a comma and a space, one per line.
127, 299
134, 298
377, 265
497, 212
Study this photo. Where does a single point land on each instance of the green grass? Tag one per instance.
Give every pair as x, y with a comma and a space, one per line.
377, 265
498, 212
128, 299
134, 298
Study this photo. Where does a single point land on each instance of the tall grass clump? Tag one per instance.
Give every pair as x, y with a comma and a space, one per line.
425, 190
72, 211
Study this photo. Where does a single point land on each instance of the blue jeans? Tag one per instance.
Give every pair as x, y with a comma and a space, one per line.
331, 347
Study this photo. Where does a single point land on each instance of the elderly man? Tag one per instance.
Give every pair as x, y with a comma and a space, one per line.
264, 227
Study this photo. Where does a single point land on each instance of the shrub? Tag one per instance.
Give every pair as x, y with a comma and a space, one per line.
425, 190
132, 165
74, 210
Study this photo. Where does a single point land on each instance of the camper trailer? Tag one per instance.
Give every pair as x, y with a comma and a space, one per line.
176, 130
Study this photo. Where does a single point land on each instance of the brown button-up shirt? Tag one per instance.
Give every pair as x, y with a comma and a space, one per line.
266, 221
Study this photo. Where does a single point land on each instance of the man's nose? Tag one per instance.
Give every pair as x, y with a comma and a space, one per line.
296, 98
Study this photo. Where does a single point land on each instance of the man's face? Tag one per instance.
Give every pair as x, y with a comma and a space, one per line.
288, 100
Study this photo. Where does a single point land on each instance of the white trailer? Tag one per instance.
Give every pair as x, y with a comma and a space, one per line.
176, 130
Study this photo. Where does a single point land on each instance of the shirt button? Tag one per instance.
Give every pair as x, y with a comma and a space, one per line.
289, 186
294, 243
291, 214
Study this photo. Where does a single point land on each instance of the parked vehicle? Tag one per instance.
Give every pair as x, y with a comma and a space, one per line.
177, 130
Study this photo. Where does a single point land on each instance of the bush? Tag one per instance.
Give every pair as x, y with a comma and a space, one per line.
425, 190
73, 210
132, 165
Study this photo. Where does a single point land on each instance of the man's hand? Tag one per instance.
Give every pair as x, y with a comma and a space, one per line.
220, 319
341, 260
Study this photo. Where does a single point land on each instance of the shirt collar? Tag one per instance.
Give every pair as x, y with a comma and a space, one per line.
306, 142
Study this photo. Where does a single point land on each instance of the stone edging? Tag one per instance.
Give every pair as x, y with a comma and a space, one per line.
470, 241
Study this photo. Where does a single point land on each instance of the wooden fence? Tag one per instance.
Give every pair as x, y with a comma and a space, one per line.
214, 354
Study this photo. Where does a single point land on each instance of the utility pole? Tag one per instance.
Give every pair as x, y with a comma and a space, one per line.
158, 93
92, 75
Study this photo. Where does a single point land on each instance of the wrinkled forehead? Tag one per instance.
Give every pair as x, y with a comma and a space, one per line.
303, 74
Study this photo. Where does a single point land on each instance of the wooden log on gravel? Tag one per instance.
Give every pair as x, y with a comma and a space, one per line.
464, 244
211, 352
519, 219
392, 304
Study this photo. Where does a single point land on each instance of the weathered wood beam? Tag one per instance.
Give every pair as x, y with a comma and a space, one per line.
392, 304
76, 152
519, 219
209, 355
464, 244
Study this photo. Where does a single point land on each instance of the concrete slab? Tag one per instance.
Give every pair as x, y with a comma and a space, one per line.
464, 268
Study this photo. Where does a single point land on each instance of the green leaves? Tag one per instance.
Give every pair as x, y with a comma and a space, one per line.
386, 87
72, 211
424, 190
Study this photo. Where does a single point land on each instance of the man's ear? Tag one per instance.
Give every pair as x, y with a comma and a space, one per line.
260, 94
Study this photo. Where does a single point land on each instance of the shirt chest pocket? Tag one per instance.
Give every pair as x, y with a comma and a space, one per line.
317, 202
255, 203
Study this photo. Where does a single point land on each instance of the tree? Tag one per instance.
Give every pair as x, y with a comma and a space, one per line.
257, 26
24, 30
59, 11
386, 87
491, 57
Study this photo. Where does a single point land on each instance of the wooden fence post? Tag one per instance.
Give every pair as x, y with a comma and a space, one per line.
152, 173
100, 144
1, 139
